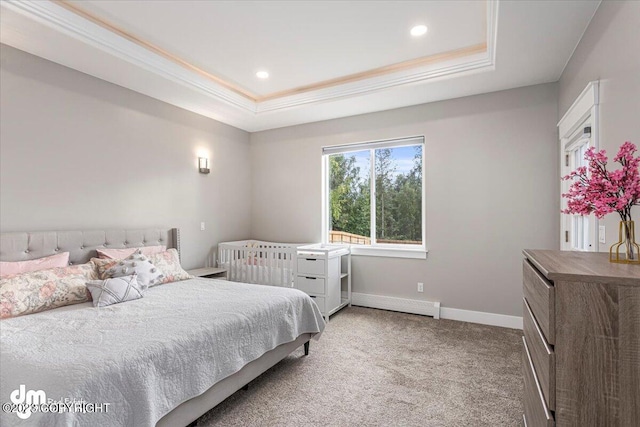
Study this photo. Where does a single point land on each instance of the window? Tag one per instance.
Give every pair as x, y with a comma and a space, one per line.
374, 197
579, 226
578, 130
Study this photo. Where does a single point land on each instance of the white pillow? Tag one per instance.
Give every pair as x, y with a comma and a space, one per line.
137, 263
115, 290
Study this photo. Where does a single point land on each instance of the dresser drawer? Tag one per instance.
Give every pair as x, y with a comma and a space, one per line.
536, 412
319, 302
542, 356
310, 285
540, 295
313, 266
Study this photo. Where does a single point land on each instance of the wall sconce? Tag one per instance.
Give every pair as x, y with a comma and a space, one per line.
203, 165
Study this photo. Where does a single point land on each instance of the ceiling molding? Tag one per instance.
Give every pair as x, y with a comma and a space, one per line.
377, 83
61, 19
87, 28
153, 48
415, 64
388, 69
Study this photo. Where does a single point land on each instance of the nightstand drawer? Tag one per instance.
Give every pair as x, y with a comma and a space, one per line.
540, 295
542, 356
311, 266
535, 409
310, 285
320, 302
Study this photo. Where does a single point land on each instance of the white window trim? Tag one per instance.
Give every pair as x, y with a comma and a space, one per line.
382, 250
584, 109
366, 250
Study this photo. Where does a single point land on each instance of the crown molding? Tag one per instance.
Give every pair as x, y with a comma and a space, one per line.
374, 84
72, 21
61, 19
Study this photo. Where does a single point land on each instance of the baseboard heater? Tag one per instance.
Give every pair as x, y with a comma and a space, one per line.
404, 305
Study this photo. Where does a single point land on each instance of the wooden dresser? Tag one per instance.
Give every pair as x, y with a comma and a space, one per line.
581, 344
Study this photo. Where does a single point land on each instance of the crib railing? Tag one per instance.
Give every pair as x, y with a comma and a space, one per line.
254, 261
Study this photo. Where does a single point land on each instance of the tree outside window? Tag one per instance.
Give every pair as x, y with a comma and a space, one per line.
375, 196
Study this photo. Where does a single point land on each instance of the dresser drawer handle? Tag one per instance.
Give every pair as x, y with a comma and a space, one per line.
311, 259
312, 296
310, 278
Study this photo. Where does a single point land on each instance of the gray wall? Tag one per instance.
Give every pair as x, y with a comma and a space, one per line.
492, 190
80, 153
609, 52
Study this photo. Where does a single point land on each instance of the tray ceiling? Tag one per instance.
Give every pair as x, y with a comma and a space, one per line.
325, 59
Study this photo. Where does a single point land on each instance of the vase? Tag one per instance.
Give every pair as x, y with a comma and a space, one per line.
626, 251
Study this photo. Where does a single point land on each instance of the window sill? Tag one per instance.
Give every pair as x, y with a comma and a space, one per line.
412, 253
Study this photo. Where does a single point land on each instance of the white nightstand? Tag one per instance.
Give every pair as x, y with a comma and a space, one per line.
209, 272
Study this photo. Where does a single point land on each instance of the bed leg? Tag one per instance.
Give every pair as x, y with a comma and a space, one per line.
306, 348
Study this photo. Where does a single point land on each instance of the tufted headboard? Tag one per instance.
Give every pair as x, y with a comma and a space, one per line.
81, 245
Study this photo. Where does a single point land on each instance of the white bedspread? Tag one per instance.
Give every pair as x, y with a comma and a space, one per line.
145, 357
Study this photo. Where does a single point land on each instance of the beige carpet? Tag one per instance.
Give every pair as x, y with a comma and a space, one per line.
381, 368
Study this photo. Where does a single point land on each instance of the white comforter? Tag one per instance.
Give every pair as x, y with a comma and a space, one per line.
145, 357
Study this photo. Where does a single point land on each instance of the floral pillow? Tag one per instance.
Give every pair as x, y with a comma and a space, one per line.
45, 289
137, 263
102, 265
169, 263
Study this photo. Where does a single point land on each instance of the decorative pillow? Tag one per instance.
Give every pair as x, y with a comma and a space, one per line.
169, 263
137, 263
43, 290
115, 290
18, 267
123, 253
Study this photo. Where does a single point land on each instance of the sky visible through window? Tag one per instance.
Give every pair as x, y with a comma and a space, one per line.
403, 160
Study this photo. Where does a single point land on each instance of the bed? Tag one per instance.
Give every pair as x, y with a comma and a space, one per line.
255, 261
164, 359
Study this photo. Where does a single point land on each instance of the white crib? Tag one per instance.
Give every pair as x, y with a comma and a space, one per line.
254, 261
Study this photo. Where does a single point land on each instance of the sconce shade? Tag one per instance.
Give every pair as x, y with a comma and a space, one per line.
203, 165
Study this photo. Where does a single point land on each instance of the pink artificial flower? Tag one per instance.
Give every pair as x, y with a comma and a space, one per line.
599, 191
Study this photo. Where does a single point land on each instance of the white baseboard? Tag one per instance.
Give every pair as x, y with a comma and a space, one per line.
429, 308
493, 319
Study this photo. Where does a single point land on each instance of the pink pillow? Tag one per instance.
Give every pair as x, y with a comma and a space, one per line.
123, 253
19, 267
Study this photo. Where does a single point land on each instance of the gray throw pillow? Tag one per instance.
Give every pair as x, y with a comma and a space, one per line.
137, 263
114, 291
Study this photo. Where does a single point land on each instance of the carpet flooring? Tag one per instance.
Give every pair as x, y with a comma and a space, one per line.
381, 368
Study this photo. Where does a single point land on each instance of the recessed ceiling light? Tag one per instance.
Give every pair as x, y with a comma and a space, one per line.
262, 74
419, 30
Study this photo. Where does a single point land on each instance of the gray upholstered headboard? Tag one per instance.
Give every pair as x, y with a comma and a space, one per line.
81, 245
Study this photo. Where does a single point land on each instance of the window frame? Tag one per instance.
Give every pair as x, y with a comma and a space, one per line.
375, 249
584, 112
576, 146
